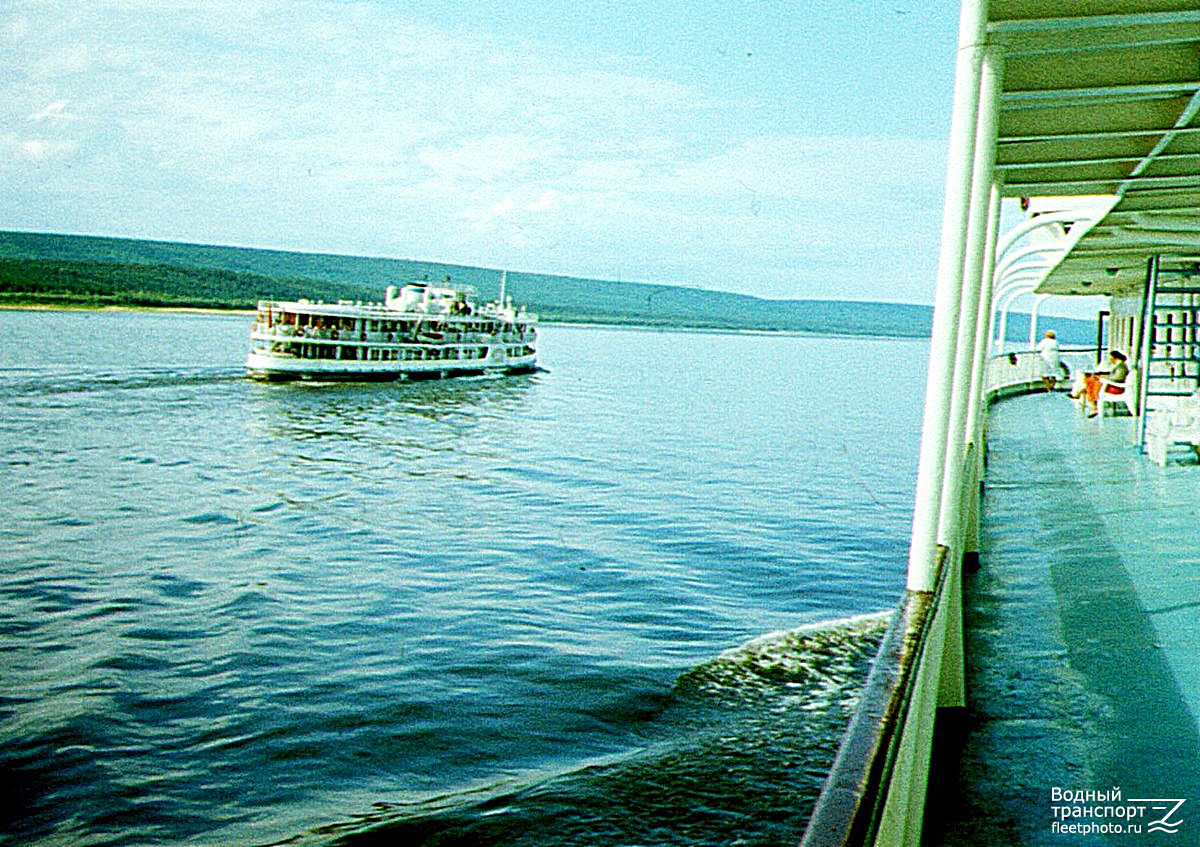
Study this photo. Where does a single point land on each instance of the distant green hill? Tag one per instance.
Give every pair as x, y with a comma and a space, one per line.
89, 270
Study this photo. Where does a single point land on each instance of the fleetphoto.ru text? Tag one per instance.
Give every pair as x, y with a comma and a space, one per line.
1079, 812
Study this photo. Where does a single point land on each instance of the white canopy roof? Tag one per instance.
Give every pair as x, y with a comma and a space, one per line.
1102, 97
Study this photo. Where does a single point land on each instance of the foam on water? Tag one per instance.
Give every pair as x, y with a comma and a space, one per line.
735, 754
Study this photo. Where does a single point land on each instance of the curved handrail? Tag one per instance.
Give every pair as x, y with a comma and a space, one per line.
1017, 372
852, 802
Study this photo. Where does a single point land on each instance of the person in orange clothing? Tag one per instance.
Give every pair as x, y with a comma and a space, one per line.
1118, 372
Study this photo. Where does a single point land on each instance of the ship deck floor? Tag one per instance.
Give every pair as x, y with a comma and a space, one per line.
1082, 631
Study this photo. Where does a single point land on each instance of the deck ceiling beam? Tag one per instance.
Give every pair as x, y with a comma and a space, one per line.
1167, 220
1037, 38
1149, 132
1080, 46
1178, 158
1094, 115
1080, 187
1058, 97
1156, 203
1164, 20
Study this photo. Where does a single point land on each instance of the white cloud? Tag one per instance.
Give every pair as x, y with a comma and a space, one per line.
609, 174
487, 158
16, 28
484, 219
35, 150
515, 217
799, 166
347, 126
52, 111
547, 201
59, 60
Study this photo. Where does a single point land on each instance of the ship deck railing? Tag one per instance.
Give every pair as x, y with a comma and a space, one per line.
1081, 620
346, 336
1019, 371
373, 311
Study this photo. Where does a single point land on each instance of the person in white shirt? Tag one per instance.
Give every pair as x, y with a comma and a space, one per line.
1051, 364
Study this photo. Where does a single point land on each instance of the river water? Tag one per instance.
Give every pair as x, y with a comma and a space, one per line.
626, 600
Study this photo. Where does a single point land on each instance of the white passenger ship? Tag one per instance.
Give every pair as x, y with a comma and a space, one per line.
424, 331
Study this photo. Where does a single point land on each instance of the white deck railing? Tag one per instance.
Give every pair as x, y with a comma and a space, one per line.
876, 790
1018, 372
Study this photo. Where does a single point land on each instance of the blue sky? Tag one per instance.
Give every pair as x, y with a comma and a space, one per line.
782, 149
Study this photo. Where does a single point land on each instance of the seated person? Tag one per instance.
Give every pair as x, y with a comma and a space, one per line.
1117, 374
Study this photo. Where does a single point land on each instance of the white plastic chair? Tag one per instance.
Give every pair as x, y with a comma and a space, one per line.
1126, 398
1169, 427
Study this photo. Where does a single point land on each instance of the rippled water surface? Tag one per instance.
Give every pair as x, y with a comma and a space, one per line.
614, 602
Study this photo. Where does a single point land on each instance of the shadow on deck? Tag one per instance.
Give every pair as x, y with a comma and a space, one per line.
1082, 631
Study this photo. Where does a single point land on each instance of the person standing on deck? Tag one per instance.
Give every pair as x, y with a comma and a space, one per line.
1051, 364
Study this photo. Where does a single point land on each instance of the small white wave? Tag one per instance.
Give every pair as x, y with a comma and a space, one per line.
814, 663
867, 622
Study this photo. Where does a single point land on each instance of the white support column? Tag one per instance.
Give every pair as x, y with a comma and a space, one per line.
1013, 277
1033, 318
1004, 293
978, 407
1008, 271
922, 554
970, 314
1005, 300
1029, 279
952, 680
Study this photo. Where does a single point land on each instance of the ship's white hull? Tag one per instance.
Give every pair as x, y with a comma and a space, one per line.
275, 367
